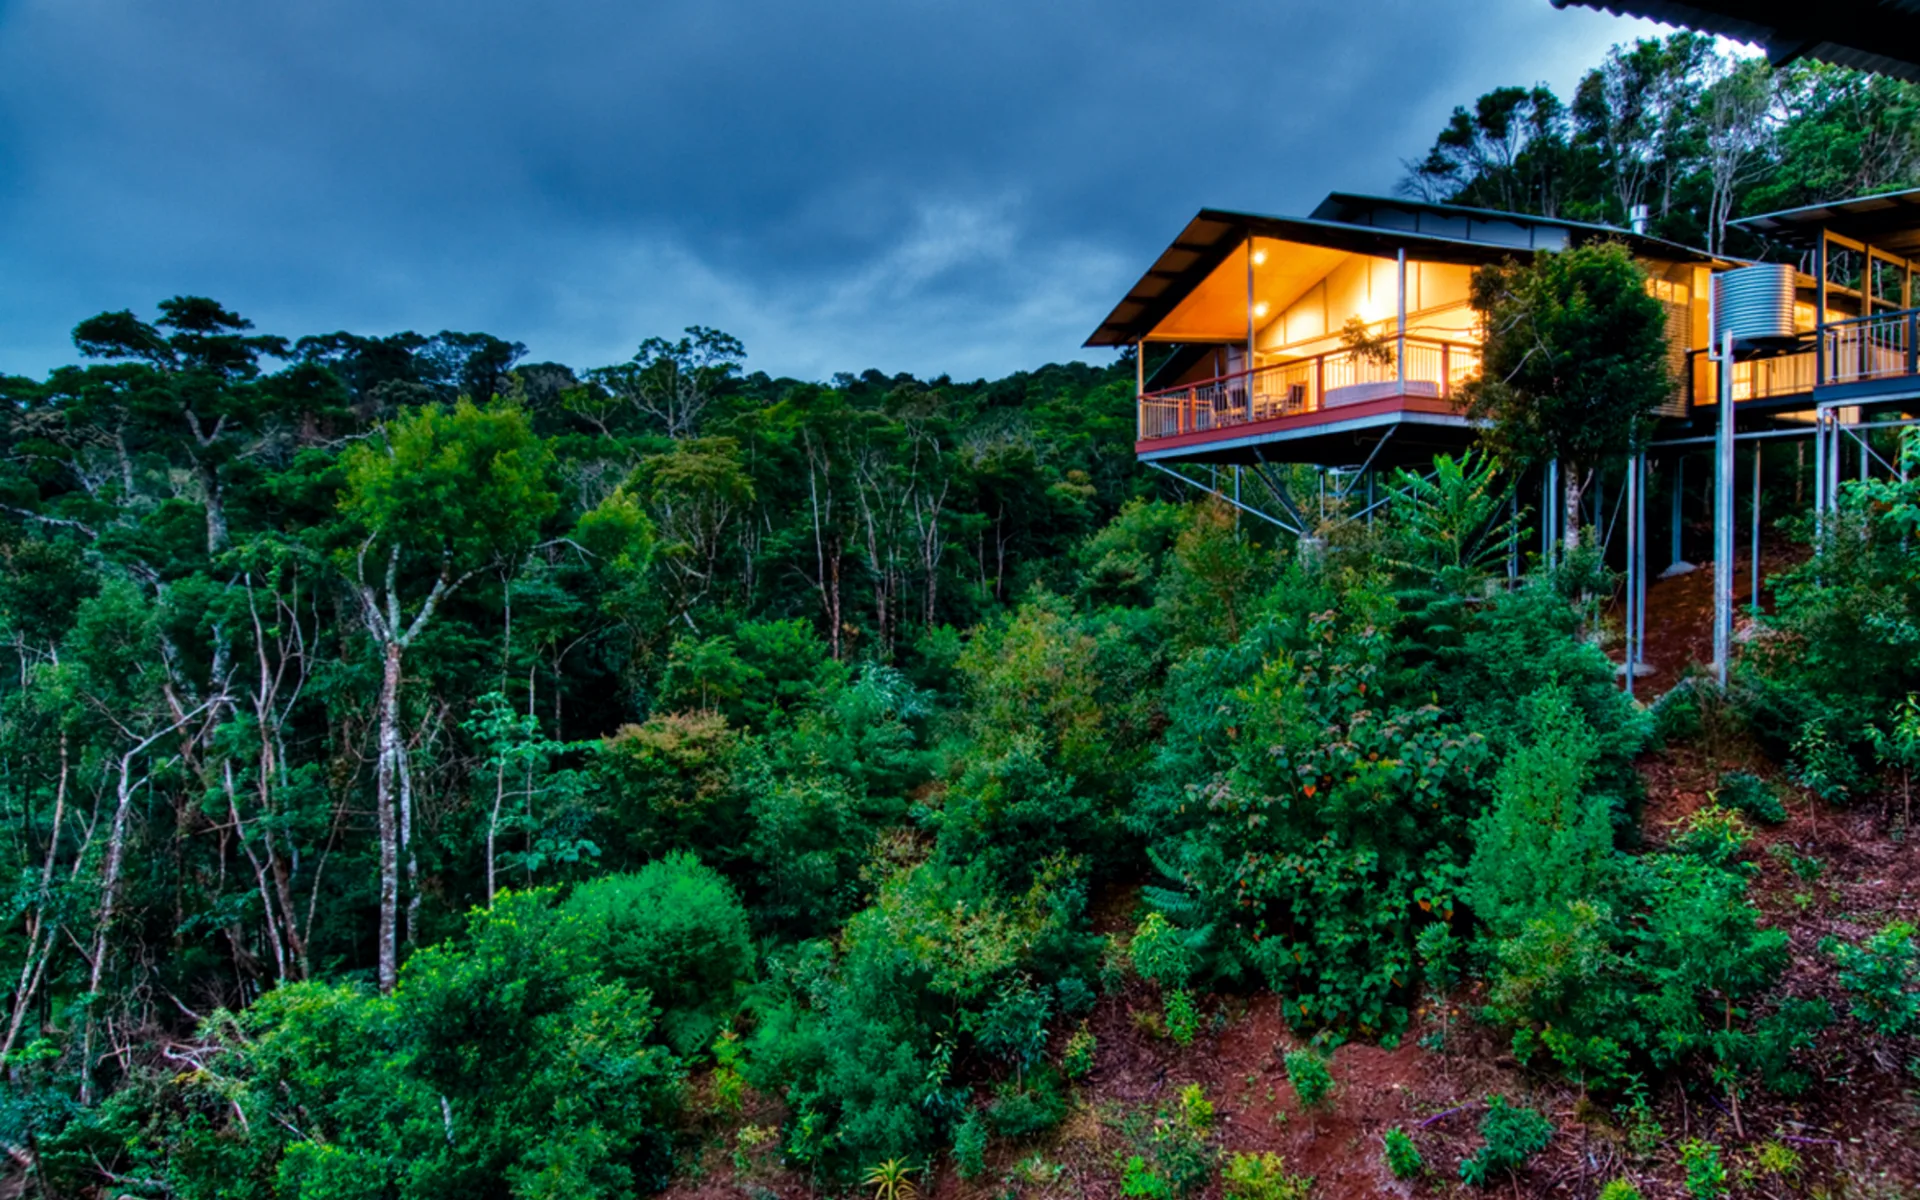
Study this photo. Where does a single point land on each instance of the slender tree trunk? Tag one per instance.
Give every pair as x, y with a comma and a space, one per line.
385, 782
493, 822
109, 893
405, 763
34, 962
1571, 516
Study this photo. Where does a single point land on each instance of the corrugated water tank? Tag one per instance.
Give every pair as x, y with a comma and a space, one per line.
1755, 304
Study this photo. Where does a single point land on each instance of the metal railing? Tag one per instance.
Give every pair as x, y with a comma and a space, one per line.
1857, 350
1868, 348
1305, 385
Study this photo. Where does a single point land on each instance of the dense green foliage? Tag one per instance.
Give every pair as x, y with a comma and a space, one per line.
431, 774
1697, 134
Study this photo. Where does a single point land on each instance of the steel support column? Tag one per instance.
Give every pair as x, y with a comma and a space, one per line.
1723, 519
1753, 598
1632, 655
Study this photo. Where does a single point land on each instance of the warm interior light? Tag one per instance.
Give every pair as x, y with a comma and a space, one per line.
1260, 309
1259, 257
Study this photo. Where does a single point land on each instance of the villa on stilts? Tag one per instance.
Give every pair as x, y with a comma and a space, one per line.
1332, 347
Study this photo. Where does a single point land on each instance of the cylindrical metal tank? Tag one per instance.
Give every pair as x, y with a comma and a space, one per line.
1755, 304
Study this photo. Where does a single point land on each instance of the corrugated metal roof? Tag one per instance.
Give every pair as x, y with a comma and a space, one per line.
1890, 221
1882, 36
1371, 225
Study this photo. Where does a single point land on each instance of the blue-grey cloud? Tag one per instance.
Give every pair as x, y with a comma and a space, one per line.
919, 185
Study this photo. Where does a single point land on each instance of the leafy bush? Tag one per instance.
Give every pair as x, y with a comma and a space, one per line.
1511, 1137
503, 1056
1022, 1108
1311, 1080
1173, 1153
1544, 840
1829, 686
854, 1038
1752, 797
1712, 834
1883, 976
1161, 953
1138, 1181
1262, 1177
1619, 1189
970, 1145
1324, 824
1013, 1025
1077, 1058
1183, 1019
669, 784
1403, 1157
1706, 1173
675, 929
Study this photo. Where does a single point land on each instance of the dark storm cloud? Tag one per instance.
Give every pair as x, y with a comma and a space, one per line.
913, 184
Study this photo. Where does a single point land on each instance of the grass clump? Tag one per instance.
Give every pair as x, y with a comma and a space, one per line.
1262, 1177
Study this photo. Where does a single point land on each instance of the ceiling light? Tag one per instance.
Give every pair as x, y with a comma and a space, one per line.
1260, 309
1259, 256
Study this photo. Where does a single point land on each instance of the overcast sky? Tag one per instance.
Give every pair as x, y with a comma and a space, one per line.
916, 185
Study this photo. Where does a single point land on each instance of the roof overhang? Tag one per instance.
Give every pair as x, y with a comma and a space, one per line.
1372, 226
1890, 222
1882, 36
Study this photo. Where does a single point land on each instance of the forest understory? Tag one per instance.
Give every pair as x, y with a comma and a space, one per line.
1825, 872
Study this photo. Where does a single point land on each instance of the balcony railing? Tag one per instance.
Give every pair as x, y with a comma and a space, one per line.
1859, 350
1869, 348
1306, 385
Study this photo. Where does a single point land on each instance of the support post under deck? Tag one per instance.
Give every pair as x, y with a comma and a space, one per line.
1723, 519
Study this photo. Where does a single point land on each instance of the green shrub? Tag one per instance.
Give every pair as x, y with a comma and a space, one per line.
1883, 976
1183, 1019
1298, 790
1023, 1108
1013, 1025
1196, 1111
1676, 715
1262, 1177
1311, 1080
1804, 865
676, 929
1403, 1157
1619, 1189
1706, 1173
1511, 1137
1173, 1154
1161, 953
1138, 1181
504, 1058
1752, 797
1713, 834
1546, 838
1076, 1059
970, 1145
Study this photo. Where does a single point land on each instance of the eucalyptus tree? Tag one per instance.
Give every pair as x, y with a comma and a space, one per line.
437, 495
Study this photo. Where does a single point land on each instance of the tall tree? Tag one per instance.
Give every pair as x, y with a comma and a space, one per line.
438, 496
1574, 361
202, 366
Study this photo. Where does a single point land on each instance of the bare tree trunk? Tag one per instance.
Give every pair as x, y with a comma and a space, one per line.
110, 887
1571, 516
405, 763
384, 787
33, 964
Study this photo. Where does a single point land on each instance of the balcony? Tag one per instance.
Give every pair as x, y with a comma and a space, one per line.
1866, 358
1308, 392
